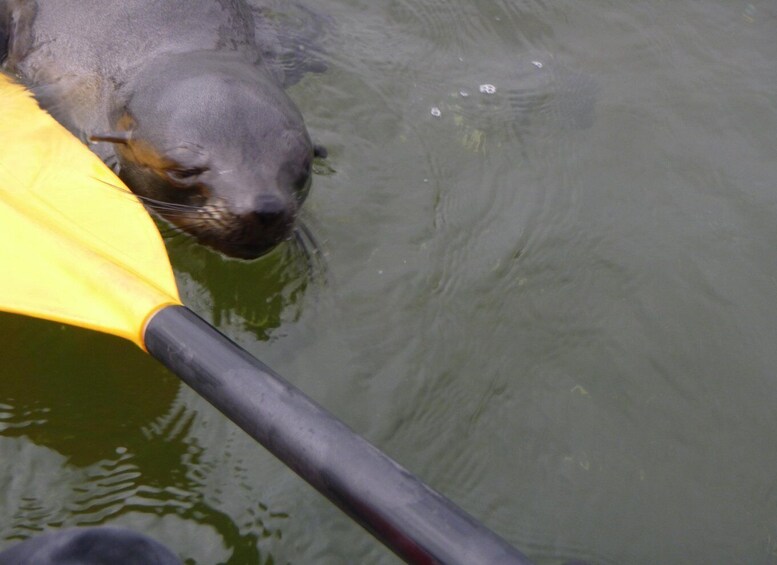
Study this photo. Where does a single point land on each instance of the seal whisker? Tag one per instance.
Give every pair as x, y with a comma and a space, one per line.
124, 193
173, 232
304, 241
195, 216
154, 204
143, 198
161, 206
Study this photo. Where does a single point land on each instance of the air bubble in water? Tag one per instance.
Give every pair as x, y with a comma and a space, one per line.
487, 88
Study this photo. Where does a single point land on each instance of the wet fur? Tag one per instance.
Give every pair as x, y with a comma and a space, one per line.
102, 65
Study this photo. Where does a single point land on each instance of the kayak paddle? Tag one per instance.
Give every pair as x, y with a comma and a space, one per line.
80, 249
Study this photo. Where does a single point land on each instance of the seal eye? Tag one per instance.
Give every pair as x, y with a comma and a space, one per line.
184, 176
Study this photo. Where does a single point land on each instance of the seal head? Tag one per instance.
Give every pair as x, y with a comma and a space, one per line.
190, 95
215, 146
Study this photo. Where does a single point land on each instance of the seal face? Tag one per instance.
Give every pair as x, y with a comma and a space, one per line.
176, 95
233, 161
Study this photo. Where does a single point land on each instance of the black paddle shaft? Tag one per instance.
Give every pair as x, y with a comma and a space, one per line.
417, 523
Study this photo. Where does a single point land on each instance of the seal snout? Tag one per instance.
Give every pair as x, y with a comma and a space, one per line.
270, 221
271, 214
250, 232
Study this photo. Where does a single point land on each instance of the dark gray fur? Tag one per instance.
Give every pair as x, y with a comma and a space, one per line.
195, 90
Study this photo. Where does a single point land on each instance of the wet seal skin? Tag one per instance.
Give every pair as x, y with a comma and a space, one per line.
184, 98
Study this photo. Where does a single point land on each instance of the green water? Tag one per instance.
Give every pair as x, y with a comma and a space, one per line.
556, 303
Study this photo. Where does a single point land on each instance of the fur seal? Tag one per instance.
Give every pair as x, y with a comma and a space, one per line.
184, 98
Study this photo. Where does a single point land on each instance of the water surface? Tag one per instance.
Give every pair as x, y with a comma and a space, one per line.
554, 300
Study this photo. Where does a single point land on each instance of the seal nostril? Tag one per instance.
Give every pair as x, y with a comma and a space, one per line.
270, 219
271, 214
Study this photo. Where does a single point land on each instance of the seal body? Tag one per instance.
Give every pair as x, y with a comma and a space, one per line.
182, 97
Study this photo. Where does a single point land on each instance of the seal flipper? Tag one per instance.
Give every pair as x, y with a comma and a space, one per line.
289, 38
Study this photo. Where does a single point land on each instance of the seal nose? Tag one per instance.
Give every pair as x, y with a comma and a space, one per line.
271, 214
257, 230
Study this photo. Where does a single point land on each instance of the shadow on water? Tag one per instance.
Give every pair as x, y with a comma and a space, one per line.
55, 397
252, 297
85, 440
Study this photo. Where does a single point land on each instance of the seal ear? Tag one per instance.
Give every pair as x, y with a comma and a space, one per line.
122, 137
320, 151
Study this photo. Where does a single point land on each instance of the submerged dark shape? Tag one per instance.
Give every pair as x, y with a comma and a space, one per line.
184, 98
89, 546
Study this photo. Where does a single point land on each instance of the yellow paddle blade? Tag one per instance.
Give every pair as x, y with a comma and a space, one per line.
75, 245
